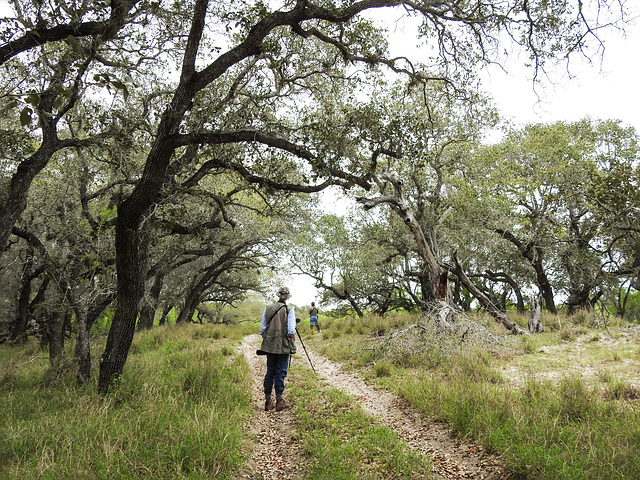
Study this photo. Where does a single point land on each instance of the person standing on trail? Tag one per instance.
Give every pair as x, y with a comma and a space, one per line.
313, 317
278, 330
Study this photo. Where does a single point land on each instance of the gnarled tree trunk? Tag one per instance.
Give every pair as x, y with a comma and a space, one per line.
431, 271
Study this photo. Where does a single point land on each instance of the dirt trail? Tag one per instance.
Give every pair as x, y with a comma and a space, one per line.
276, 453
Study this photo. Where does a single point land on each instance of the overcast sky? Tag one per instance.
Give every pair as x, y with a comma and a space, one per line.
607, 88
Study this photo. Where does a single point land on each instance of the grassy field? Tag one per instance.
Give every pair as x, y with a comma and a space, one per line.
563, 404
178, 414
340, 441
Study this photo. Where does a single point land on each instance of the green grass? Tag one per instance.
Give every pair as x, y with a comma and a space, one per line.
178, 413
341, 442
564, 404
545, 430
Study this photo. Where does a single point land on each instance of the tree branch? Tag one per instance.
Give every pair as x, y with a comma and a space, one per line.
40, 36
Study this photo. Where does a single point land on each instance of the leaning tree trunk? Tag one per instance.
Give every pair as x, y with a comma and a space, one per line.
150, 303
533, 253
129, 294
506, 278
431, 274
96, 310
189, 308
211, 273
488, 305
16, 200
132, 210
83, 347
19, 326
55, 325
355, 306
546, 290
165, 313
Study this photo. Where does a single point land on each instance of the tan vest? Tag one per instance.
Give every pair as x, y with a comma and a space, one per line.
275, 338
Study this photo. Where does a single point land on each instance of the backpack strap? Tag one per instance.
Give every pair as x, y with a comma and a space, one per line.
276, 312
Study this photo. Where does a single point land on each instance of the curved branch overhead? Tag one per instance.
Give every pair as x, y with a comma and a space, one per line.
106, 30
335, 175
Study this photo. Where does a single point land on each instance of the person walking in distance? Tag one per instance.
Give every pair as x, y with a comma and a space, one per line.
278, 330
313, 317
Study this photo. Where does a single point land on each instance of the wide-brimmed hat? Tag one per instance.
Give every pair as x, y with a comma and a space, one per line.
283, 292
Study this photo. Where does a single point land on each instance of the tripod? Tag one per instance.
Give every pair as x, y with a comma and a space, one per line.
305, 348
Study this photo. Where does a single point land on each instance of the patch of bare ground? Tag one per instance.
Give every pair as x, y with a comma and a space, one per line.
276, 453
591, 357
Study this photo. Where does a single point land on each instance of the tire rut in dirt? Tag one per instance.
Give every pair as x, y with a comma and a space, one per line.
276, 454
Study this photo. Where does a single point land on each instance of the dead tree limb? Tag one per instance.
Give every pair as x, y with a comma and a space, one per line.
486, 303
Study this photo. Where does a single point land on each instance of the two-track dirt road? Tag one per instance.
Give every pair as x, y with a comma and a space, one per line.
276, 454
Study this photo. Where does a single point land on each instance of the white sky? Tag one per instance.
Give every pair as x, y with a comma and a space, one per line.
604, 89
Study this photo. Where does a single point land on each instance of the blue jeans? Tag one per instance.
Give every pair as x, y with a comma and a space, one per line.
277, 365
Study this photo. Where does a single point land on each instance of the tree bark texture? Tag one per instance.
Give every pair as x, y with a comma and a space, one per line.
165, 313
83, 347
533, 253
19, 327
129, 293
535, 316
431, 269
150, 303
55, 325
210, 275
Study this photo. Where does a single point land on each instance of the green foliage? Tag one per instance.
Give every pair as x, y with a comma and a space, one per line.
250, 309
556, 189
631, 306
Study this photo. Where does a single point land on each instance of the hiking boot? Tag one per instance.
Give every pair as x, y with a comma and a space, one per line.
268, 406
281, 405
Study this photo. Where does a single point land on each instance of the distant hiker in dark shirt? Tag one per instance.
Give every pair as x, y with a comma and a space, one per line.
313, 317
278, 330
